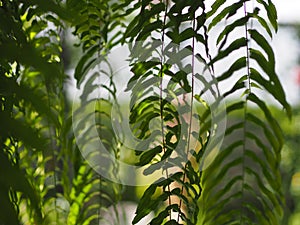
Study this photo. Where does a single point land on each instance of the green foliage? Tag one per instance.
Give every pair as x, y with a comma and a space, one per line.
243, 180
45, 177
248, 167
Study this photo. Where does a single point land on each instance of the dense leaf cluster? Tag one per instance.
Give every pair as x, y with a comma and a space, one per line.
176, 51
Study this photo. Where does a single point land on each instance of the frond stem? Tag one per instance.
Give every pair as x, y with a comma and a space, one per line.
245, 114
190, 117
247, 49
161, 100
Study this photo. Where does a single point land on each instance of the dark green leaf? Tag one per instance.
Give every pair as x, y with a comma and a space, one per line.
149, 155
227, 12
237, 65
235, 45
263, 43
229, 28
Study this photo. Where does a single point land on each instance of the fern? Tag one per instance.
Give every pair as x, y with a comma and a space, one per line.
170, 147
96, 30
247, 152
53, 167
242, 185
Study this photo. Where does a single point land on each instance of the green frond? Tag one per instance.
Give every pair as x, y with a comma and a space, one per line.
211, 166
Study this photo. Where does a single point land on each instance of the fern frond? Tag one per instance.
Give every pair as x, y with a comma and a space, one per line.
244, 179
169, 146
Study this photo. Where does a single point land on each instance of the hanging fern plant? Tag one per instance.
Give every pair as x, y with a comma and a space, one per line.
241, 185
212, 163
248, 167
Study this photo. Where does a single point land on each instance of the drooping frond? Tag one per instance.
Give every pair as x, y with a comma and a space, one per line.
242, 185
169, 88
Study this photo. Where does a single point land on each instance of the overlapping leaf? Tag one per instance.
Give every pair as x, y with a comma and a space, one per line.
242, 186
